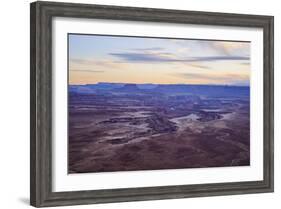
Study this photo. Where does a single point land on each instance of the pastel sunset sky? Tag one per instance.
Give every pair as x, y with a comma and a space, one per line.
96, 58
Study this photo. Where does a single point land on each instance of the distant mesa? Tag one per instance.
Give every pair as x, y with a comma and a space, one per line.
105, 85
129, 87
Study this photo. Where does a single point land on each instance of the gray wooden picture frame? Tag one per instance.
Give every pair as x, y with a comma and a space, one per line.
41, 16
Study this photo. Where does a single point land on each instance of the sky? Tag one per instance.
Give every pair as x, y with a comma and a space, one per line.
120, 59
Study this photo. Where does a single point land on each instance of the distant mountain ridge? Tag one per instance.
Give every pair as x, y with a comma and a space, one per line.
210, 90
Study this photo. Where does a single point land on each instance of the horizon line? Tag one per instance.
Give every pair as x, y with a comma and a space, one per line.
161, 84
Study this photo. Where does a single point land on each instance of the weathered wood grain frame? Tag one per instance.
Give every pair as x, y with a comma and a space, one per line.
41, 16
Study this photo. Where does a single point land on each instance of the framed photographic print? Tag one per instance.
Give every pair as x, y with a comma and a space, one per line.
131, 104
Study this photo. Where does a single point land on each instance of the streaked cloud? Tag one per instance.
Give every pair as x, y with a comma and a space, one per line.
93, 65
149, 49
228, 47
162, 57
85, 70
212, 78
245, 63
90, 62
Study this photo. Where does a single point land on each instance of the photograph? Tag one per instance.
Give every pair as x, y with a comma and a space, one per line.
151, 103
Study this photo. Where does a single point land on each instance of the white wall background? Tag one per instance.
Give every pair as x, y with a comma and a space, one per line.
14, 104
